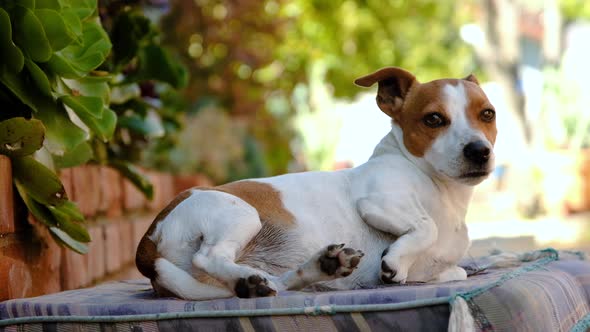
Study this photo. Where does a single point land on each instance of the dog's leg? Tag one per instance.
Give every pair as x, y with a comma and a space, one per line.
406, 219
334, 261
218, 252
218, 260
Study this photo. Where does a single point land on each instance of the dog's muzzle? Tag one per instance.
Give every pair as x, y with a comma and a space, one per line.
477, 152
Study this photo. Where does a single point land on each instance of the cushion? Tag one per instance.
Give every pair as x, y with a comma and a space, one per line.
541, 290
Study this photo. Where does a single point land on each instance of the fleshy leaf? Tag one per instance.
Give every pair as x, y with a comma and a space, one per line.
20, 137
10, 54
61, 135
48, 4
57, 31
39, 77
39, 182
129, 30
149, 126
156, 63
16, 84
134, 175
84, 105
93, 51
90, 86
29, 34
72, 226
77, 156
68, 241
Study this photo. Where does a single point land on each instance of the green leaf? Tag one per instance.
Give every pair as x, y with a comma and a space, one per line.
61, 134
77, 60
44, 216
84, 105
77, 156
106, 126
134, 175
72, 226
39, 182
16, 84
147, 126
57, 31
155, 63
63, 67
129, 30
68, 241
29, 34
39, 77
38, 210
90, 86
21, 137
73, 22
48, 4
10, 54
83, 8
71, 209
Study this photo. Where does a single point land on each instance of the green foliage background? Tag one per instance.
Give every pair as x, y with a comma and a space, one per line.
248, 58
71, 93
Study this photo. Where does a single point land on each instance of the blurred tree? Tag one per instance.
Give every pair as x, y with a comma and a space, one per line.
247, 57
356, 37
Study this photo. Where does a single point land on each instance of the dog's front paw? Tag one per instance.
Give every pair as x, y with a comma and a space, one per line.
338, 261
392, 271
254, 286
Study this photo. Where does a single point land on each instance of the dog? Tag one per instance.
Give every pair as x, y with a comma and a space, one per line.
401, 213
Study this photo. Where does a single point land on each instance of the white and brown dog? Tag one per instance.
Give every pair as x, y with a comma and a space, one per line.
403, 210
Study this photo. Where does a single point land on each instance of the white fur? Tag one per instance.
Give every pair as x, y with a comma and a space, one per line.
413, 206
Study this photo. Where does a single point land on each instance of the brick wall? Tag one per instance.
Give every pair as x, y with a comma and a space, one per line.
32, 263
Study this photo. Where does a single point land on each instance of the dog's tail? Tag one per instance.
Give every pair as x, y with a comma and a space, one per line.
172, 279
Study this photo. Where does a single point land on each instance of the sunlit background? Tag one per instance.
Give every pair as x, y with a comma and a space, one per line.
271, 91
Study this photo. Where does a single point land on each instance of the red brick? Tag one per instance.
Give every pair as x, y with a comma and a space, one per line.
157, 201
45, 266
133, 199
96, 253
113, 247
140, 226
7, 221
126, 241
74, 270
15, 279
110, 192
184, 182
168, 190
65, 175
30, 263
86, 185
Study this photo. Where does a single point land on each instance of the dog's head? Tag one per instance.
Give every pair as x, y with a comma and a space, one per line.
449, 123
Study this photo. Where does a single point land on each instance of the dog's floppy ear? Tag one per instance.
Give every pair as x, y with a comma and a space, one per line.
471, 78
394, 84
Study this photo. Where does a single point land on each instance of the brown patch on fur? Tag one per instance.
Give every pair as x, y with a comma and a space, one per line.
421, 100
478, 102
394, 84
147, 251
263, 197
161, 291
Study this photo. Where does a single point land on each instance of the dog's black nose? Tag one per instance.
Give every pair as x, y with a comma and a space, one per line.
477, 151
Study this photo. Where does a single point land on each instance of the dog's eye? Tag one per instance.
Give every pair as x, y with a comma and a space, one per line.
434, 120
487, 115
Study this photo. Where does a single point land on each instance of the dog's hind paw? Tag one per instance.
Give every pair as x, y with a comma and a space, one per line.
254, 286
338, 261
